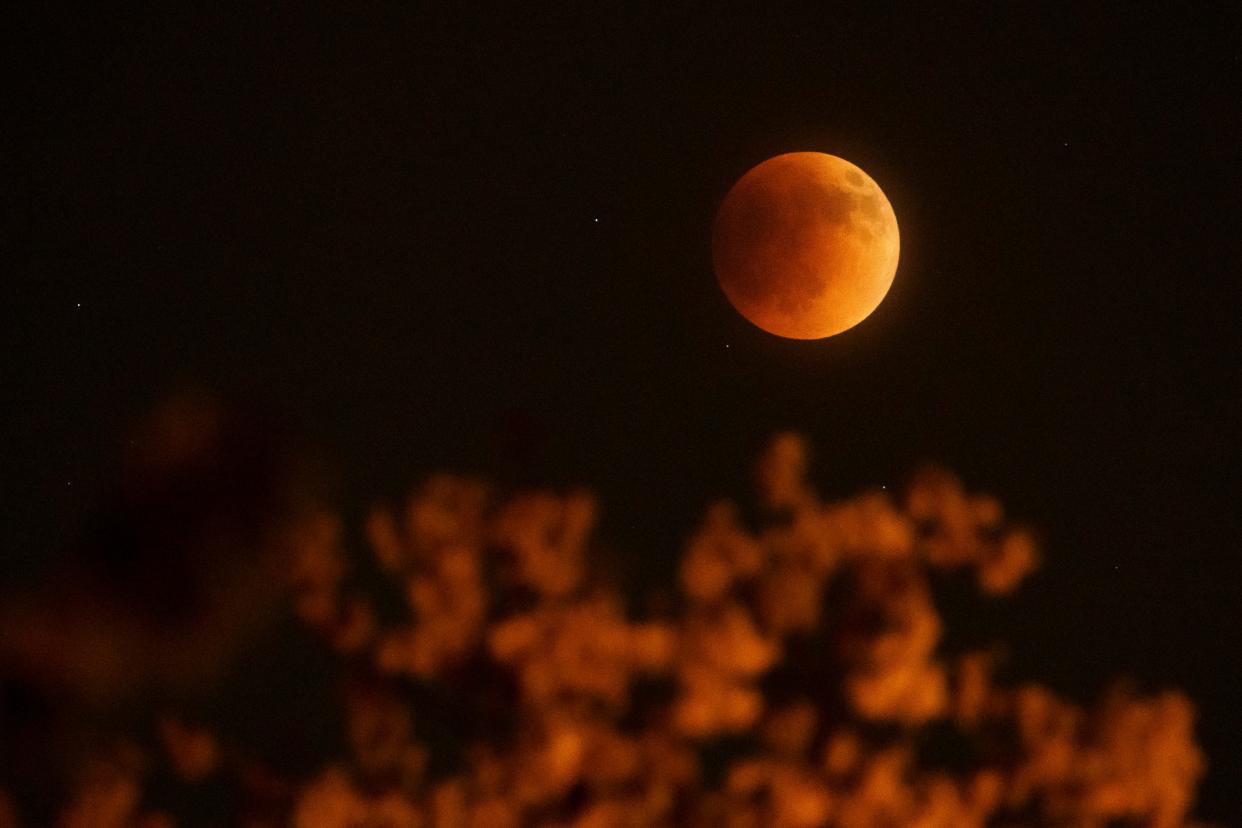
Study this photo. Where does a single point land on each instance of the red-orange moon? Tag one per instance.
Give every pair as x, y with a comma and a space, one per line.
805, 245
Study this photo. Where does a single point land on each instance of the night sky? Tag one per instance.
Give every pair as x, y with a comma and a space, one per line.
480, 240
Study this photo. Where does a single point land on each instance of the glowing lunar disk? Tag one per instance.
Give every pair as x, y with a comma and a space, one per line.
805, 245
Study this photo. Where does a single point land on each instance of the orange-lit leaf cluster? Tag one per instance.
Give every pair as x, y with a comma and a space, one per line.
703, 715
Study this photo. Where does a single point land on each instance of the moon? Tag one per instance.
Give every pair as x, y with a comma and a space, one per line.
805, 245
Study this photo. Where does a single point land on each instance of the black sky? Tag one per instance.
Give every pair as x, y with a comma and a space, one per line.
479, 239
